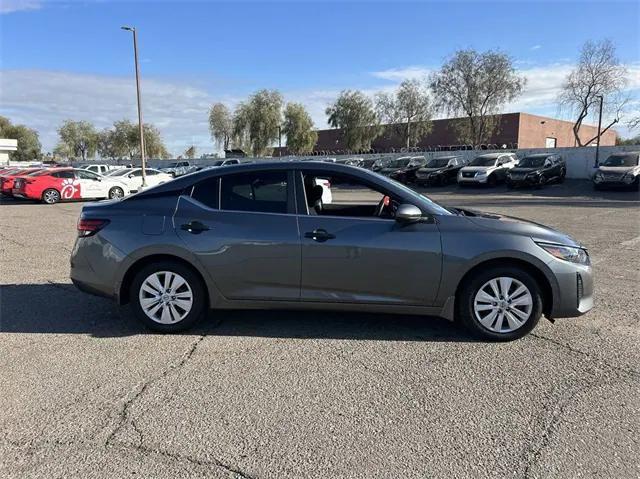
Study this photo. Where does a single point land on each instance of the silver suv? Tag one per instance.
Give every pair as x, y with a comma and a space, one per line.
259, 236
489, 169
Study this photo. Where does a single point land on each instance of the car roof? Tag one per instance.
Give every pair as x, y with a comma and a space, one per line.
494, 155
540, 155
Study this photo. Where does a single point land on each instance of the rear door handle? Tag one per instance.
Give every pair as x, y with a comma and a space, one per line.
194, 227
319, 235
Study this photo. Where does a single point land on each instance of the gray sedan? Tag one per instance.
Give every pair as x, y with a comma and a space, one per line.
259, 236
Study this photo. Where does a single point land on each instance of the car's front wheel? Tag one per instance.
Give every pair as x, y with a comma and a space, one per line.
116, 192
501, 303
168, 297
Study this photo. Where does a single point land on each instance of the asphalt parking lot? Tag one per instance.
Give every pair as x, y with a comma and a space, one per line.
86, 392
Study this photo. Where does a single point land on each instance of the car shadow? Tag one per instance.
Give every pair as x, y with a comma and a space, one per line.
59, 308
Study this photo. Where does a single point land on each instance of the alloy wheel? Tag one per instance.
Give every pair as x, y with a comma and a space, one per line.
116, 193
51, 196
166, 297
503, 304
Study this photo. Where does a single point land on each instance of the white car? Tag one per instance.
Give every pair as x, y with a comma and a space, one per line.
327, 197
487, 169
132, 177
100, 169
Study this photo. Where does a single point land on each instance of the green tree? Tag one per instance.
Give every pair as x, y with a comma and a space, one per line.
80, 137
298, 127
408, 110
29, 147
123, 140
476, 85
190, 152
61, 152
354, 114
256, 121
221, 125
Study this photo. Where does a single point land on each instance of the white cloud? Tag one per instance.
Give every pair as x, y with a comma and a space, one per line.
400, 74
10, 6
43, 99
535, 47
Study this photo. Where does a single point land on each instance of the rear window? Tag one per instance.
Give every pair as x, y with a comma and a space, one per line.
264, 192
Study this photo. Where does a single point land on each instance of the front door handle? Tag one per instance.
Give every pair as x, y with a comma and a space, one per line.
194, 227
319, 235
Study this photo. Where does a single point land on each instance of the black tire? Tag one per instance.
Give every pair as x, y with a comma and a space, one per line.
542, 181
50, 196
563, 173
199, 303
597, 187
492, 181
465, 302
116, 192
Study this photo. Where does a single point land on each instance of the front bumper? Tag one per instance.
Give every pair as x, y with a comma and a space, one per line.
525, 181
478, 180
573, 291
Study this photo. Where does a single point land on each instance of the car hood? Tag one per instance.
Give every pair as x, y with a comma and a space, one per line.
513, 225
524, 170
477, 168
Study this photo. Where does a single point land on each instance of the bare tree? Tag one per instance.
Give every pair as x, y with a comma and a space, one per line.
598, 74
220, 125
476, 85
408, 110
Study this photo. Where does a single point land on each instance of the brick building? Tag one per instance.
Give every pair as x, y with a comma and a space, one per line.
515, 130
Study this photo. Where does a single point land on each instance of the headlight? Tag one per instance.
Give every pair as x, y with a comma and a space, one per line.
481, 173
628, 178
598, 177
566, 253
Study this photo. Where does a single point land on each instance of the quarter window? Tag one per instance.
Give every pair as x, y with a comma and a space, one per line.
207, 192
264, 192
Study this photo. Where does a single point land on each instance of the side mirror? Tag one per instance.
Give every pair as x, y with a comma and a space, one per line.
407, 213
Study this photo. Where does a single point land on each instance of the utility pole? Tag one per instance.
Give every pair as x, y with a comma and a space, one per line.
140, 124
599, 127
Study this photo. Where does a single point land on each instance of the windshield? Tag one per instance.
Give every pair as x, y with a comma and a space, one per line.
532, 162
629, 159
437, 163
417, 197
217, 163
399, 162
417, 162
483, 161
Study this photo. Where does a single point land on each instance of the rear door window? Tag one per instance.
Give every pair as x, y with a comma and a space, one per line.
261, 191
207, 192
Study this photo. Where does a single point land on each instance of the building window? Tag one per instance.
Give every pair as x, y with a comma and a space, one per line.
550, 142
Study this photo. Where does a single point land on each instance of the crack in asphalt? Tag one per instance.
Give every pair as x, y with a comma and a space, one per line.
558, 407
123, 415
627, 371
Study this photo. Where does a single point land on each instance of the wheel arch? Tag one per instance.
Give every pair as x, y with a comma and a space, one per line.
127, 279
537, 273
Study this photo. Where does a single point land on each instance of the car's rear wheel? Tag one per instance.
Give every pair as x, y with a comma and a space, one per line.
116, 192
50, 196
168, 297
492, 181
501, 303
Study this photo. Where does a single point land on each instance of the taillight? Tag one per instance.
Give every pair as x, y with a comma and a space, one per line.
89, 227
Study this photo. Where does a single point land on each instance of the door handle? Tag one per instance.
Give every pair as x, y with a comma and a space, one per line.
194, 227
319, 235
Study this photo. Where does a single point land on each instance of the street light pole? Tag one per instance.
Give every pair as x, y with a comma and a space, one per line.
599, 127
140, 124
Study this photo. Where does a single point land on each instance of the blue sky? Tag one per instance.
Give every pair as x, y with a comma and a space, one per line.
70, 59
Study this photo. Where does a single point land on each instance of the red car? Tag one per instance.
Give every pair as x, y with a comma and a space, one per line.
56, 184
8, 178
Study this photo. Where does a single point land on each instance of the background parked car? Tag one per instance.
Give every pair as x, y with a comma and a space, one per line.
53, 185
132, 177
488, 169
621, 169
537, 170
439, 171
380, 163
395, 164
100, 169
176, 168
407, 174
7, 180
